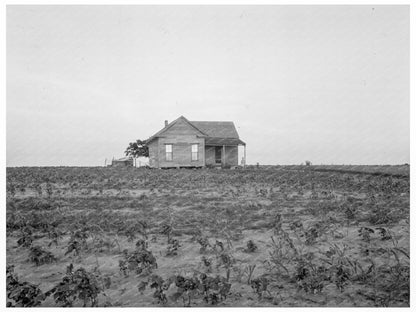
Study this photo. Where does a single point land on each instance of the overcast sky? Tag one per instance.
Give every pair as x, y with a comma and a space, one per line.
329, 84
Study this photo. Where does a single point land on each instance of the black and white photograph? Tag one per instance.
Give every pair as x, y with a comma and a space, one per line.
207, 155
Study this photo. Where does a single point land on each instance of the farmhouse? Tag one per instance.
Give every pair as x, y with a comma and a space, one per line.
184, 143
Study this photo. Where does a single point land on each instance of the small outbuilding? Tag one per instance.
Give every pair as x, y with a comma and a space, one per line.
184, 143
122, 162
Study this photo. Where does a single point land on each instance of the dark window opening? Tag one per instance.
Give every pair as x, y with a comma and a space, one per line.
218, 154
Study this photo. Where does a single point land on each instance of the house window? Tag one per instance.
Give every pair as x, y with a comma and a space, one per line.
169, 154
194, 156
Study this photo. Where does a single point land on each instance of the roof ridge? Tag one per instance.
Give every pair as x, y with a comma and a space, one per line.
211, 121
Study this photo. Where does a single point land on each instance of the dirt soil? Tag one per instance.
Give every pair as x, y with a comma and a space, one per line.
278, 236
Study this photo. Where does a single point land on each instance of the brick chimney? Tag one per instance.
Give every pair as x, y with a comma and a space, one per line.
166, 123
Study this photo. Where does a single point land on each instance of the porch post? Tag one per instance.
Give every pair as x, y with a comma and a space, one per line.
203, 153
223, 155
245, 159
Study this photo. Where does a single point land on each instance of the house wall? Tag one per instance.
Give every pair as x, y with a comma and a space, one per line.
153, 153
231, 155
181, 135
181, 151
209, 155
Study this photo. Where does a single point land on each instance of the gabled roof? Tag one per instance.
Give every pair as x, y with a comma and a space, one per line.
217, 129
171, 124
215, 132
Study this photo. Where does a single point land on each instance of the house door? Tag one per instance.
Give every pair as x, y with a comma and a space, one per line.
218, 154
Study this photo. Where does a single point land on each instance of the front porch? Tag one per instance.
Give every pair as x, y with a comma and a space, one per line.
223, 153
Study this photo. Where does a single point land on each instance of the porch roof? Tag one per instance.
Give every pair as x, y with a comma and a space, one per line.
223, 141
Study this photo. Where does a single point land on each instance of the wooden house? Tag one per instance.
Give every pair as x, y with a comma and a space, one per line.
184, 143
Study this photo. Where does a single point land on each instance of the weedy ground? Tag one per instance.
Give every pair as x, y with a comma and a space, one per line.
275, 236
